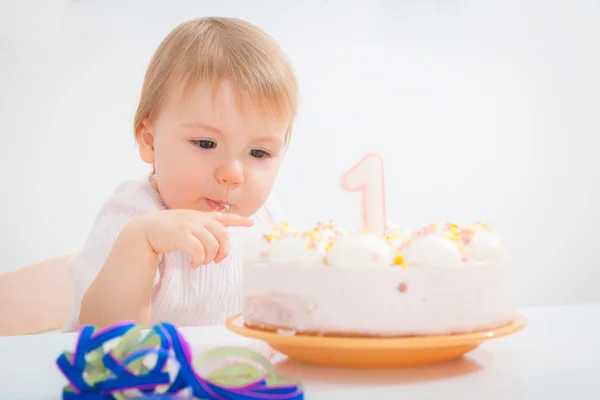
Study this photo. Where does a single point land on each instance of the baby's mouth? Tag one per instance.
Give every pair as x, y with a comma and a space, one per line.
216, 205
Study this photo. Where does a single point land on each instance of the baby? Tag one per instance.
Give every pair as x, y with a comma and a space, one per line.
214, 121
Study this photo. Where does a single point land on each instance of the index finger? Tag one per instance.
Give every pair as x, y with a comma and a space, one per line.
232, 219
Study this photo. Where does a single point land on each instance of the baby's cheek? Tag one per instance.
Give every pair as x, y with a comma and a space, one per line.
255, 193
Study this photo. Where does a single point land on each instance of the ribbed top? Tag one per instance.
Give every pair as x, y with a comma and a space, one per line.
183, 296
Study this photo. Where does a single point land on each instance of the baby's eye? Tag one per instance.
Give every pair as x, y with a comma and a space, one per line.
205, 144
258, 153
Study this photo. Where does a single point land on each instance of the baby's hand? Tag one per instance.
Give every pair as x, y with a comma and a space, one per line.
200, 234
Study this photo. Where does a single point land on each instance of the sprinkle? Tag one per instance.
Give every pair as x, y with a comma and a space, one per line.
329, 244
398, 260
402, 287
404, 245
483, 225
455, 237
453, 228
375, 257
269, 237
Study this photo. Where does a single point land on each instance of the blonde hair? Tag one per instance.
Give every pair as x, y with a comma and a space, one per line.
211, 50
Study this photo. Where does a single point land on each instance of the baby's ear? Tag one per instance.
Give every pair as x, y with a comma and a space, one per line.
145, 140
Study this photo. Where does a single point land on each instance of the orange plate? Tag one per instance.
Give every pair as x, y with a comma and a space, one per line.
372, 353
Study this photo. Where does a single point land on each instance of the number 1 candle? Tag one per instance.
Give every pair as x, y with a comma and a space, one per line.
367, 177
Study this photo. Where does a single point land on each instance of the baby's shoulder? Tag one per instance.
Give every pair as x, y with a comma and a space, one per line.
133, 198
129, 200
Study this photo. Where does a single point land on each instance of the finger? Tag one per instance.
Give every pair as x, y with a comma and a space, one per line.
209, 242
232, 219
222, 236
193, 246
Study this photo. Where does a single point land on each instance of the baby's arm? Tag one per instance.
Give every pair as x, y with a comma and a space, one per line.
106, 239
122, 290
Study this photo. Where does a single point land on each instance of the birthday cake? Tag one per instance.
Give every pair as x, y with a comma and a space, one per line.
439, 279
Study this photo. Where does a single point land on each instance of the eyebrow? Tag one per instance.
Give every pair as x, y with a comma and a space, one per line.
269, 138
201, 126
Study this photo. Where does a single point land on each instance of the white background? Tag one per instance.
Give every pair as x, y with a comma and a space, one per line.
482, 111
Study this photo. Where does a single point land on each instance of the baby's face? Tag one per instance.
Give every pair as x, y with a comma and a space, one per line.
208, 155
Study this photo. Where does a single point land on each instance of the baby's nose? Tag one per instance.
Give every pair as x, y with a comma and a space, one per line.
231, 173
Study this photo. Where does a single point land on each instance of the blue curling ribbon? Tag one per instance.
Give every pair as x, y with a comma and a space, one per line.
159, 366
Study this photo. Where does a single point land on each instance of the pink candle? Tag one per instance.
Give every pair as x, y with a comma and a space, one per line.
367, 177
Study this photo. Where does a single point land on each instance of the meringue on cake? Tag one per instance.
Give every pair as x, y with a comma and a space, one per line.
437, 280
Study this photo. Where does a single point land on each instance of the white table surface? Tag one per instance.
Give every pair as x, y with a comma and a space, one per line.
557, 356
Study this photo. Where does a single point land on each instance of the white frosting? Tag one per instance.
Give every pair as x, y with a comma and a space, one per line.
428, 300
294, 250
485, 245
431, 250
397, 236
360, 251
328, 235
433, 244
